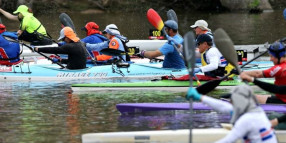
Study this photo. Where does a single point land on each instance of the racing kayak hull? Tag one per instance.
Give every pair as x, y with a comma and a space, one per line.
170, 136
36, 72
131, 108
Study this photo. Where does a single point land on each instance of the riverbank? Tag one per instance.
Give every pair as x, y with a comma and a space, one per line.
123, 6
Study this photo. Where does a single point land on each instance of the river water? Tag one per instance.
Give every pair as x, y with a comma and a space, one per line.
49, 112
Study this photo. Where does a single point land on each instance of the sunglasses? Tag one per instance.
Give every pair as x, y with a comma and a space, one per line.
199, 44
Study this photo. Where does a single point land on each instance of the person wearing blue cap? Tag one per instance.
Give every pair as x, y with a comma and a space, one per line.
216, 63
172, 57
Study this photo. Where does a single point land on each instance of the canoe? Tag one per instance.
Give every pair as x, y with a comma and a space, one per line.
52, 72
131, 108
163, 136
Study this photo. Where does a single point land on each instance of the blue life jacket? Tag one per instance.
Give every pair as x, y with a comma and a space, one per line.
9, 51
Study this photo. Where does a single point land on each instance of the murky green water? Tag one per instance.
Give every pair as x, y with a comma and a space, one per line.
47, 112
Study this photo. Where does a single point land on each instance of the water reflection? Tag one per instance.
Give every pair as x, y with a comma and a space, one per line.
48, 112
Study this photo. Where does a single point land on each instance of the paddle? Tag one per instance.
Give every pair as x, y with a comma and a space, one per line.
189, 50
112, 52
16, 41
66, 21
155, 19
171, 14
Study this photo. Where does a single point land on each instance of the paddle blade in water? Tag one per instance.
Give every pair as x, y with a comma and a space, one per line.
226, 47
171, 14
209, 86
189, 49
66, 21
155, 19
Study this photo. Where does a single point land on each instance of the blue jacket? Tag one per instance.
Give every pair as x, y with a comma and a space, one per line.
9, 51
93, 39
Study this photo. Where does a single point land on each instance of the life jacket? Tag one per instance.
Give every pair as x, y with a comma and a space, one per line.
220, 71
9, 52
115, 43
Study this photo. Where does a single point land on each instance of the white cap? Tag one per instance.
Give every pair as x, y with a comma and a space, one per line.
202, 24
111, 29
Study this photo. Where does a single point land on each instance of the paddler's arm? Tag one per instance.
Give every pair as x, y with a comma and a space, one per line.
9, 15
281, 89
276, 121
98, 46
249, 75
214, 60
216, 104
151, 54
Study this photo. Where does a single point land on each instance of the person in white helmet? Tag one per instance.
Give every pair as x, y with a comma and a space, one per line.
115, 41
250, 121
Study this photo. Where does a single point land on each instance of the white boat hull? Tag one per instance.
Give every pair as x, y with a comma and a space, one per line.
165, 136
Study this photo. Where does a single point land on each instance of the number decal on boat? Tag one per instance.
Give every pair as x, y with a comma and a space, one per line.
5, 69
89, 75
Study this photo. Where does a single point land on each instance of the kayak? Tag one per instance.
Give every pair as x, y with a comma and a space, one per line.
131, 108
52, 72
164, 85
170, 136
145, 71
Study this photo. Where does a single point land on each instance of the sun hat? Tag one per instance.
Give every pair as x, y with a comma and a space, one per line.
111, 29
68, 32
22, 9
91, 28
202, 24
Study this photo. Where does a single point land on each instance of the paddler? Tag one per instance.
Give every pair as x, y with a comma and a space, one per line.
277, 52
93, 36
172, 58
9, 51
73, 48
250, 121
31, 29
115, 41
201, 27
215, 62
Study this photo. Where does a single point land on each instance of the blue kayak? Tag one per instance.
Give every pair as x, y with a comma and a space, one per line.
54, 72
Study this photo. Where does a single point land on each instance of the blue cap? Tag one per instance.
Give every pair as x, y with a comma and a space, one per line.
171, 24
204, 38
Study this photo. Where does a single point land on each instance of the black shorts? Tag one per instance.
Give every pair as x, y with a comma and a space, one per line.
274, 100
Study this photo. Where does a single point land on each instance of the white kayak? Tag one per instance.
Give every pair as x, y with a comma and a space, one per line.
166, 136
